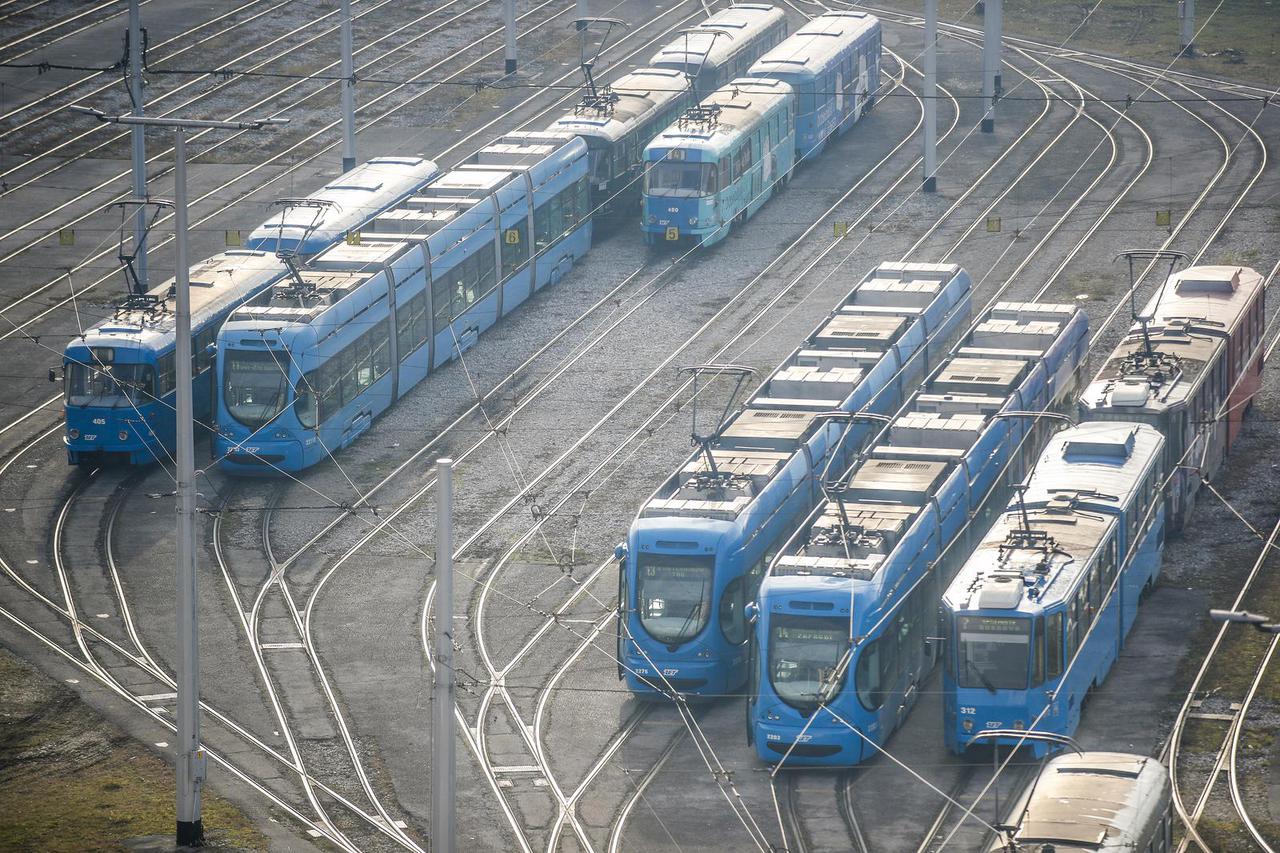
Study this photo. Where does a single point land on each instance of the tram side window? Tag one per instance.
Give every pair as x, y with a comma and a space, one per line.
515, 248
1073, 628
348, 373
165, 379
1037, 655
201, 357
411, 325
1053, 646
733, 623
867, 676
441, 300
742, 160
557, 216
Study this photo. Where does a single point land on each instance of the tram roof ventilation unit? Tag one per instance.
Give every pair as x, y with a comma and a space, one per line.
1201, 280
952, 404
767, 429
1115, 443
1131, 392
987, 376
844, 331
927, 429
896, 480
811, 384
364, 257
1000, 592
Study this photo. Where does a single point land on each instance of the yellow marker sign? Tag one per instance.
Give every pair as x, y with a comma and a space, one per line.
673, 233
993, 224
353, 238
512, 237
842, 229
233, 238
66, 237
1164, 218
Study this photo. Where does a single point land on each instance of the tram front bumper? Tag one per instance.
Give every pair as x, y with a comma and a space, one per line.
255, 457
817, 746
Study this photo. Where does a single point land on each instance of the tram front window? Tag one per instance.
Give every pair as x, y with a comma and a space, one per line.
681, 180
804, 652
109, 384
993, 652
674, 596
257, 386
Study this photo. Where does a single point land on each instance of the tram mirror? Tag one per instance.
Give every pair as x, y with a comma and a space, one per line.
620, 552
53, 374
751, 612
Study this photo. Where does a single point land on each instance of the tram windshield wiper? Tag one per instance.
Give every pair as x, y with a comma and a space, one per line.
986, 682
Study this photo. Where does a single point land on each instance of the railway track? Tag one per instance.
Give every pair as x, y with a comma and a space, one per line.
631, 801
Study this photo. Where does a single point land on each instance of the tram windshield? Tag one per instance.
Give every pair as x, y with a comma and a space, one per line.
674, 595
804, 652
109, 384
257, 385
681, 180
993, 652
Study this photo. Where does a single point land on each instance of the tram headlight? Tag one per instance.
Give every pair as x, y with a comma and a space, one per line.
772, 717
73, 433
281, 434
967, 724
693, 220
653, 218
1019, 725
123, 435
704, 653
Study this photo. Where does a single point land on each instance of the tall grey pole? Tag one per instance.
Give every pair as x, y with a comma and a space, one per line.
348, 93
1187, 17
997, 62
990, 62
930, 96
442, 733
191, 763
509, 28
138, 133
190, 756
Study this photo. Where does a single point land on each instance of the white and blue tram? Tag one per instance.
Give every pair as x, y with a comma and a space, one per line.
1197, 350
306, 227
1093, 802
724, 45
1019, 650
119, 378
119, 375
719, 163
844, 611
833, 64
697, 549
305, 373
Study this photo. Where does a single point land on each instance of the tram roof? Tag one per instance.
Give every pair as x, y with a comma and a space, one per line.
1188, 321
743, 102
718, 38
812, 47
217, 283
1092, 801
640, 94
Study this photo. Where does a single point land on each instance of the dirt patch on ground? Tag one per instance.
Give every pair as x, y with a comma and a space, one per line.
72, 781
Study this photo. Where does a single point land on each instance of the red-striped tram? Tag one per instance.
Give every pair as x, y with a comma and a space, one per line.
1190, 365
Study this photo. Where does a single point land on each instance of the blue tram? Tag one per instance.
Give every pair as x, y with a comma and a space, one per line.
303, 374
697, 550
1196, 351
724, 45
843, 613
833, 64
1019, 651
719, 163
118, 377
305, 227
617, 123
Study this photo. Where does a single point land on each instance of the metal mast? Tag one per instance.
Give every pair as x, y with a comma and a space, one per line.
930, 96
442, 735
348, 93
190, 759
138, 134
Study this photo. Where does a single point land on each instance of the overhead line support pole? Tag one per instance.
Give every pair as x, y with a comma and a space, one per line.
991, 14
930, 183
138, 134
509, 29
190, 758
443, 806
348, 93
1187, 17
